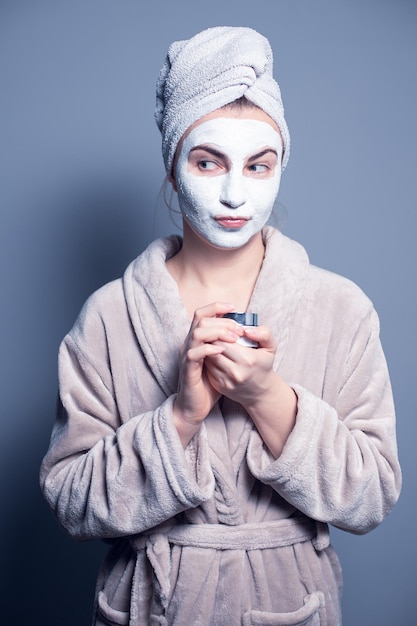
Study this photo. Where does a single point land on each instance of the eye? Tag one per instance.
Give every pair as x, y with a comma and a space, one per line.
258, 168
207, 166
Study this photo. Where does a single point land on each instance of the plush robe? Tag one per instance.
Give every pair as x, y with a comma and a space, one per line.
221, 533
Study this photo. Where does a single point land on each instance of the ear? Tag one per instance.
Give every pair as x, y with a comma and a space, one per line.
173, 182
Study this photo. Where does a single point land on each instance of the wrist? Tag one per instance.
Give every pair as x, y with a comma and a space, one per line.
274, 415
186, 429
267, 393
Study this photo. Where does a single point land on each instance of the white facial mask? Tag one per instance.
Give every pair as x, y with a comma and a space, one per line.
212, 204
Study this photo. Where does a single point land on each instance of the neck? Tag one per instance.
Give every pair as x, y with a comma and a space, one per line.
200, 266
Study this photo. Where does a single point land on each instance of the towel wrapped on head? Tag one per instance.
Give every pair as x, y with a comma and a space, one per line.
208, 71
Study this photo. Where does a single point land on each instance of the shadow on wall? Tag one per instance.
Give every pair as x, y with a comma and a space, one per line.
71, 248
50, 578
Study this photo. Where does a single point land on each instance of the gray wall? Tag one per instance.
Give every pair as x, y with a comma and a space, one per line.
80, 172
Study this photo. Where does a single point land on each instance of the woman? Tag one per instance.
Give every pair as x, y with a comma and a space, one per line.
214, 468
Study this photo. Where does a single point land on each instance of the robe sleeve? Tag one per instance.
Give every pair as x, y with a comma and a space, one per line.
340, 463
104, 478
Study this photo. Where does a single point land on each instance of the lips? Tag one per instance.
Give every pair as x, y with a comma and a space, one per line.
231, 222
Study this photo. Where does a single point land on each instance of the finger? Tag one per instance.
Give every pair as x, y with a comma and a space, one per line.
224, 362
215, 376
198, 354
213, 333
223, 374
262, 335
214, 309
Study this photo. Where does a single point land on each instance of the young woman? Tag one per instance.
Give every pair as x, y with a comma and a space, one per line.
212, 467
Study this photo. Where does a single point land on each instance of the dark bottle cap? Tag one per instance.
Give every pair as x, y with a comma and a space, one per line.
246, 319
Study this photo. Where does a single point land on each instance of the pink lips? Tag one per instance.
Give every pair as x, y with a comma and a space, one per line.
231, 222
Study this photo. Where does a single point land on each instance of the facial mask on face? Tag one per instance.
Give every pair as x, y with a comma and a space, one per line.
231, 206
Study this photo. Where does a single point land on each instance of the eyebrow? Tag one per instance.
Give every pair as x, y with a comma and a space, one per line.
210, 150
221, 155
259, 155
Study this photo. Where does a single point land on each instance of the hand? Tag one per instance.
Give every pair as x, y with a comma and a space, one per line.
209, 335
243, 374
246, 375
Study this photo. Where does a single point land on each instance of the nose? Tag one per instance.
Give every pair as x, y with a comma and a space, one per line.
233, 193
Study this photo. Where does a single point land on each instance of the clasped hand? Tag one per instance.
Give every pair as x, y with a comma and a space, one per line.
213, 364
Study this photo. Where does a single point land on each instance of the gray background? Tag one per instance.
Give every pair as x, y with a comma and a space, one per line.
80, 173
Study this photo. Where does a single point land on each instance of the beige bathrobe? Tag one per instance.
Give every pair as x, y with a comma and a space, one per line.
221, 534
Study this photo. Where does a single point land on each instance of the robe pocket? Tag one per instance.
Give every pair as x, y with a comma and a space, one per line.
107, 616
307, 615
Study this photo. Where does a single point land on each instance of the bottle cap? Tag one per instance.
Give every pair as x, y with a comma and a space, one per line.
246, 319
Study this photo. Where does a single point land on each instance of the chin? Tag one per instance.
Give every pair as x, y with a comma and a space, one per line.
222, 239
231, 241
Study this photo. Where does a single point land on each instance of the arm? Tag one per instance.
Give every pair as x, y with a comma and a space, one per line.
104, 478
340, 463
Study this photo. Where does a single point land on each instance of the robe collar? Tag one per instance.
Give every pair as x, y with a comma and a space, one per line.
159, 317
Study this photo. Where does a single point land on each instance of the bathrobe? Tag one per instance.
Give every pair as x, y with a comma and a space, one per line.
221, 533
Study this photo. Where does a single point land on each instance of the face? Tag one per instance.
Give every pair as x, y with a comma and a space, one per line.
227, 176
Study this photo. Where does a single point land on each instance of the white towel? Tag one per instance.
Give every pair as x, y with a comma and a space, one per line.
212, 69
